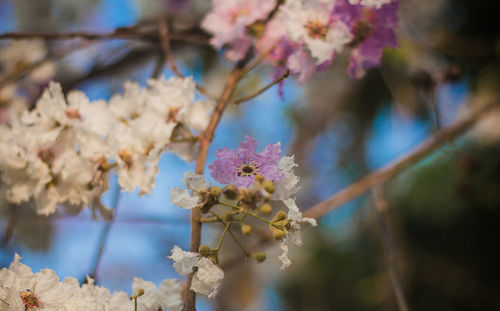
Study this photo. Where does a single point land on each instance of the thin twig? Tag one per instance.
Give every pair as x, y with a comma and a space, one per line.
262, 90
256, 62
164, 35
228, 225
103, 238
379, 176
382, 206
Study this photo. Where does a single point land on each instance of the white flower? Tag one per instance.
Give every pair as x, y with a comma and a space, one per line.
183, 261
207, 279
168, 294
182, 197
198, 115
295, 216
288, 184
308, 22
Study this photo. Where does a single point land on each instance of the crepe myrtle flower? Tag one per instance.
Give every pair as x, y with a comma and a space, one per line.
240, 166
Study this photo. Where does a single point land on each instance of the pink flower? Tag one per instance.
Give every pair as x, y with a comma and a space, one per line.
241, 166
373, 30
228, 23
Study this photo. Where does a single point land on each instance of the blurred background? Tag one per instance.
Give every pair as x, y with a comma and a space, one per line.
442, 214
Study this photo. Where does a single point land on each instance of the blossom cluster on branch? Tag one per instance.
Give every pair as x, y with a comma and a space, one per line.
62, 151
251, 184
305, 36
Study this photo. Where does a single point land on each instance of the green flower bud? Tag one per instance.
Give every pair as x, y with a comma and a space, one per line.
246, 229
204, 250
260, 256
260, 178
268, 185
280, 215
278, 234
215, 191
266, 209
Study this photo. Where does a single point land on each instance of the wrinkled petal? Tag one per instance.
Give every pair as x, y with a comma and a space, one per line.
183, 261
183, 199
207, 279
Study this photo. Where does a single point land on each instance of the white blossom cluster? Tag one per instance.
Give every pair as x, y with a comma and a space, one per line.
51, 294
61, 152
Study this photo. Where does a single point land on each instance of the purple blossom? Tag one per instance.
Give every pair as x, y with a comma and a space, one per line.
240, 166
373, 30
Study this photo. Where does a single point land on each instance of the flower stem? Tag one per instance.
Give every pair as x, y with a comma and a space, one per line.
222, 236
247, 254
259, 218
229, 205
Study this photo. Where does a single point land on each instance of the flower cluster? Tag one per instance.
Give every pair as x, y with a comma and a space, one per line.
305, 35
253, 183
21, 289
62, 151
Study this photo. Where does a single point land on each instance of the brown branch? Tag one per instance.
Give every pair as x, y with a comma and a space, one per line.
262, 90
129, 33
118, 34
382, 206
381, 175
205, 139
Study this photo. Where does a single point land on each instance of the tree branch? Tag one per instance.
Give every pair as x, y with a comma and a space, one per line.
127, 33
205, 139
381, 175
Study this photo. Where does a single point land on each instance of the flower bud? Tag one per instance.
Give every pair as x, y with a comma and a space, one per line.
280, 215
278, 234
246, 229
140, 292
266, 209
268, 185
215, 191
260, 178
204, 250
230, 192
260, 256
